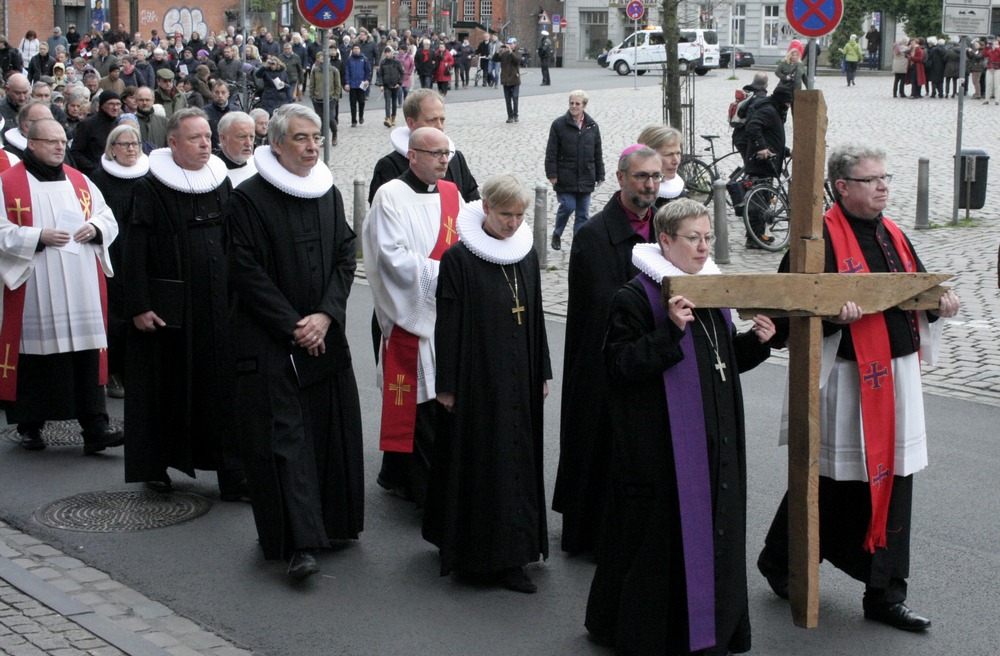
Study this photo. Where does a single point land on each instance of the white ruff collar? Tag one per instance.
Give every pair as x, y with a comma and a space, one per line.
16, 139
649, 259
491, 249
314, 185
672, 188
400, 140
166, 170
137, 170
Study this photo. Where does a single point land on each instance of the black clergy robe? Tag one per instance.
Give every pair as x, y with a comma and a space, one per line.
290, 257
395, 164
600, 263
179, 409
486, 499
638, 596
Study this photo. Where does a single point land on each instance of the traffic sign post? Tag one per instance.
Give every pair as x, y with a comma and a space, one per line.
635, 10
813, 18
325, 14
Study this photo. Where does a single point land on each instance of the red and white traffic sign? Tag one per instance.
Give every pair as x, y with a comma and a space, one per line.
635, 10
814, 17
563, 23
325, 14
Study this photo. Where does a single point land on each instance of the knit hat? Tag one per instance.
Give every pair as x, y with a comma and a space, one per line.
108, 95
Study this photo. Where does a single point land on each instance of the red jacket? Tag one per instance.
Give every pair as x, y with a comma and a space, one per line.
445, 62
992, 57
916, 57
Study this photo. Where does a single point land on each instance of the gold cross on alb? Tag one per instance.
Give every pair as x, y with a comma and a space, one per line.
6, 366
17, 209
398, 387
449, 226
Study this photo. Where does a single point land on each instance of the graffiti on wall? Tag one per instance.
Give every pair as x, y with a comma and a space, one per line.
185, 20
148, 19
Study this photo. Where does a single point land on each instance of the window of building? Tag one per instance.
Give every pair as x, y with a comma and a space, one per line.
739, 24
421, 7
469, 10
485, 9
771, 25
593, 33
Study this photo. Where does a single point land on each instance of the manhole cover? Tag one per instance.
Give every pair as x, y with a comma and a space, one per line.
60, 433
108, 512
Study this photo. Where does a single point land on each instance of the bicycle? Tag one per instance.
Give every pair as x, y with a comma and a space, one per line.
767, 204
698, 175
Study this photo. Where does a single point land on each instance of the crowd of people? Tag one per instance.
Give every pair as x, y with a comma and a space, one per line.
198, 264
931, 67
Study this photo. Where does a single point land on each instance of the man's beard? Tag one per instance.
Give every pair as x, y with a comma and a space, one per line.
144, 112
640, 202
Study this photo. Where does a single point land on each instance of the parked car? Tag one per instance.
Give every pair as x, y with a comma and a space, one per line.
646, 50
602, 60
744, 58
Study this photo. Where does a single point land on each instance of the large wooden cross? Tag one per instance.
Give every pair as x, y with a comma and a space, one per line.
806, 295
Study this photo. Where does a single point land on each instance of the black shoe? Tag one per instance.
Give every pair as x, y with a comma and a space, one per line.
753, 245
898, 616
31, 441
511, 120
556, 242
361, 120
399, 491
109, 438
778, 582
239, 491
115, 388
163, 485
515, 579
302, 565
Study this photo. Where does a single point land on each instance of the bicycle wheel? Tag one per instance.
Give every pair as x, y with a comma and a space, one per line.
697, 178
767, 215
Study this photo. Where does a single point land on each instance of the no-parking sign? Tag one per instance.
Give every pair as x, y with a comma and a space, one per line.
814, 17
325, 14
635, 10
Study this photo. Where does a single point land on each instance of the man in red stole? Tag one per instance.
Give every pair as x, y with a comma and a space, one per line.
867, 457
54, 242
409, 226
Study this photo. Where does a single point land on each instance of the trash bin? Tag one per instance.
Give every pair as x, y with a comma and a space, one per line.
972, 174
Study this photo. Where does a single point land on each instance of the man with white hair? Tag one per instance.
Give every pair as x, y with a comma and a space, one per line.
236, 133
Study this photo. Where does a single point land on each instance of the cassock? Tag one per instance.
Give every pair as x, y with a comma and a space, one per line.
292, 253
180, 377
237, 172
398, 236
62, 323
118, 184
600, 263
486, 500
395, 163
638, 599
844, 497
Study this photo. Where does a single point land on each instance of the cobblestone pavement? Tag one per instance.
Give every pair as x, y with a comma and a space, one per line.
907, 130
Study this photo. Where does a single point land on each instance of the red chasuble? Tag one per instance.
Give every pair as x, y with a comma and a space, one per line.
399, 351
874, 357
17, 195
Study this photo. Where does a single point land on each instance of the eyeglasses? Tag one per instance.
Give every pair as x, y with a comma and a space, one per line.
436, 154
642, 177
127, 145
51, 142
694, 240
886, 179
306, 138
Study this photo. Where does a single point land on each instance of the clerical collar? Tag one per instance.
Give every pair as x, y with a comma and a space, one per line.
314, 185
671, 188
230, 164
416, 184
16, 139
165, 169
855, 217
137, 170
489, 248
649, 259
41, 170
400, 140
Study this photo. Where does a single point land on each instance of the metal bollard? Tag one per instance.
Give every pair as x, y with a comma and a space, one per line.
721, 222
360, 210
923, 193
541, 226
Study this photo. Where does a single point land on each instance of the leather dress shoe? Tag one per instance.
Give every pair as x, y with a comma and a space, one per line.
239, 491
109, 438
515, 579
395, 490
302, 565
556, 242
31, 441
163, 484
778, 582
898, 616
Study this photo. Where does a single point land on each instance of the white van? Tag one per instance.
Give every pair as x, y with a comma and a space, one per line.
646, 50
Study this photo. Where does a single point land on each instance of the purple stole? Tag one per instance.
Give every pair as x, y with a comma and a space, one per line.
686, 416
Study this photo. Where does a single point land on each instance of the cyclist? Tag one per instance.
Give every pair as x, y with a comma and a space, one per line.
765, 150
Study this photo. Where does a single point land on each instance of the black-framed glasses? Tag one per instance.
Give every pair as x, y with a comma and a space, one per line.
436, 154
642, 177
696, 239
886, 179
127, 145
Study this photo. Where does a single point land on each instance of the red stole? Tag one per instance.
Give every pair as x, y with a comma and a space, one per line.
400, 349
17, 191
871, 346
4, 161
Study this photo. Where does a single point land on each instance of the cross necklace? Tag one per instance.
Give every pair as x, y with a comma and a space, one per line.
518, 308
719, 365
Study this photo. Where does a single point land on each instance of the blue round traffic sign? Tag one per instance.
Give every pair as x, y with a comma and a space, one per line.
635, 9
814, 17
325, 13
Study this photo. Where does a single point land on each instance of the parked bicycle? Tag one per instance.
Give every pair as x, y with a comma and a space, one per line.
698, 175
767, 205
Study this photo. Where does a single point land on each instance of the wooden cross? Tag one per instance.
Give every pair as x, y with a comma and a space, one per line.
804, 296
398, 387
17, 209
7, 366
517, 309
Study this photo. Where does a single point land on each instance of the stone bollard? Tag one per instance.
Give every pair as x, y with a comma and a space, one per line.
360, 210
721, 222
923, 193
541, 226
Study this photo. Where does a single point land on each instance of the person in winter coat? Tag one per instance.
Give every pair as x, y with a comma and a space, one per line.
390, 78
792, 69
423, 63
899, 65
444, 63
510, 76
272, 81
357, 73
852, 56
316, 94
991, 55
915, 72
405, 57
766, 151
935, 67
41, 64
464, 58
574, 164
952, 58
975, 67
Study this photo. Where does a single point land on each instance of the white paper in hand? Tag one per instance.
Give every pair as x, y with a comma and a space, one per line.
70, 221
